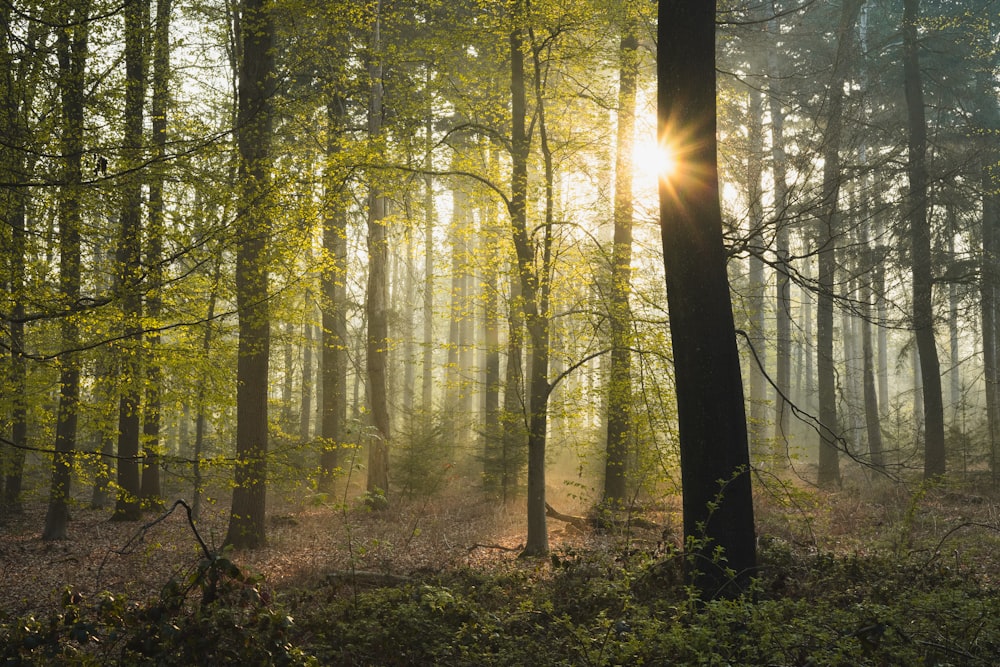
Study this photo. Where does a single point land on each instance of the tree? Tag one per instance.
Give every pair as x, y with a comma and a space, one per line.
715, 474
19, 87
377, 342
783, 306
71, 48
829, 231
150, 487
129, 277
619, 427
920, 238
253, 138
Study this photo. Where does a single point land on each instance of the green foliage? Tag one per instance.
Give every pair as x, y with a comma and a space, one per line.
583, 608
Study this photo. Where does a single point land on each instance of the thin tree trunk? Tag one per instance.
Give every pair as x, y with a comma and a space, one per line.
755, 274
151, 493
201, 397
378, 284
333, 302
783, 305
619, 393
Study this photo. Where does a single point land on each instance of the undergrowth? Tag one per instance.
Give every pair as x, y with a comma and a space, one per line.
577, 608
900, 590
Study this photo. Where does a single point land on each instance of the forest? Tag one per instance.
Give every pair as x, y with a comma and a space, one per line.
500, 332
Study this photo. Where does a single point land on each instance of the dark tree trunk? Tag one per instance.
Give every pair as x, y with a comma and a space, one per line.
920, 239
128, 506
71, 48
619, 400
715, 474
989, 121
18, 92
253, 138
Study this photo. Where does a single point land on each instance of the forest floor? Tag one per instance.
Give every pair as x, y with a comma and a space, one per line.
314, 546
307, 543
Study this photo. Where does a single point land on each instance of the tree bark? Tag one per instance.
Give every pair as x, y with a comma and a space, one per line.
715, 474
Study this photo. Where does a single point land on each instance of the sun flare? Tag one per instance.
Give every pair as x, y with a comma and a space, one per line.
652, 158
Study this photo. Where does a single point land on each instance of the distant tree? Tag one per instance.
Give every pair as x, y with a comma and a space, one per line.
715, 474
829, 231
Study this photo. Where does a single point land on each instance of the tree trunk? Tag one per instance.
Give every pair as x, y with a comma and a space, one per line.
19, 90
920, 238
783, 305
378, 285
755, 274
151, 493
253, 138
71, 49
619, 398
989, 297
829, 437
128, 506
333, 301
201, 409
532, 293
715, 474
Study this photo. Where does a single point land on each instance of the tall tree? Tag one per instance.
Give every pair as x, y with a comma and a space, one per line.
150, 487
829, 231
129, 278
377, 309
920, 239
71, 50
18, 87
710, 408
333, 278
783, 301
253, 140
619, 403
